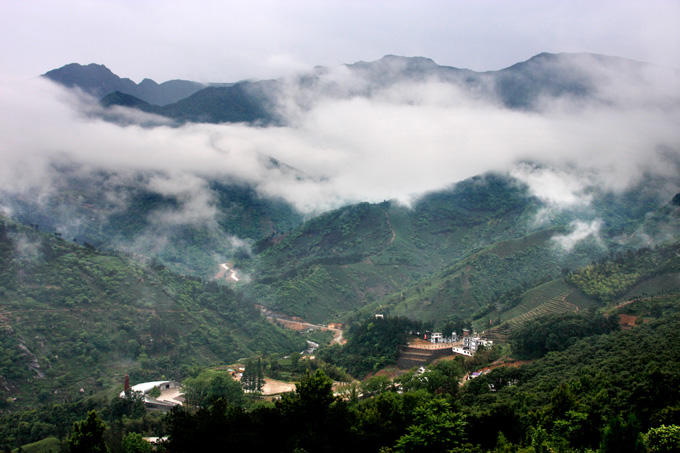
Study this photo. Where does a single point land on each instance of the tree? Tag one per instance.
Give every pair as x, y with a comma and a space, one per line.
88, 435
131, 405
313, 394
294, 360
223, 386
211, 385
252, 379
623, 435
135, 443
155, 392
436, 429
663, 439
314, 419
259, 380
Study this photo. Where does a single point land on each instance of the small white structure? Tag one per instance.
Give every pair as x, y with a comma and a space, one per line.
471, 343
462, 351
170, 394
474, 343
438, 337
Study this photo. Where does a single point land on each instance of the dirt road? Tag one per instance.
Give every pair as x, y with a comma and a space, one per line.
298, 324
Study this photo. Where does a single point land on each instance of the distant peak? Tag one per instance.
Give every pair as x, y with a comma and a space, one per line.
148, 82
397, 63
72, 68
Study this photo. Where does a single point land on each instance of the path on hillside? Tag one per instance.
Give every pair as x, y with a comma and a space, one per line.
224, 269
564, 299
497, 364
389, 224
299, 324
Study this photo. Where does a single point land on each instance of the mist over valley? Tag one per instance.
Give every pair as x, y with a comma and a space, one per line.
190, 233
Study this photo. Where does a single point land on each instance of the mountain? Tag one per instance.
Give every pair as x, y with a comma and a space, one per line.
464, 251
73, 317
116, 211
107, 270
99, 81
456, 252
525, 85
124, 100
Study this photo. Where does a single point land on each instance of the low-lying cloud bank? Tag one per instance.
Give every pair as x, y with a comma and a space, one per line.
398, 143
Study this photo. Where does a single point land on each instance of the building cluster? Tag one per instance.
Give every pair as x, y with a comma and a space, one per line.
466, 344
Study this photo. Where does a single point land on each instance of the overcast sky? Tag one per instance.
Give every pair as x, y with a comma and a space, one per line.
224, 41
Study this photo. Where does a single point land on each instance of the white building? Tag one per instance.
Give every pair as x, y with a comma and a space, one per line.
438, 337
474, 343
170, 394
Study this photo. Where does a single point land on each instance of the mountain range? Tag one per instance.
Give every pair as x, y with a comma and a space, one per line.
488, 250
159, 254
428, 260
521, 86
98, 81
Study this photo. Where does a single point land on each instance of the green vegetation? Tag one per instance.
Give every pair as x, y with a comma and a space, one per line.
387, 256
73, 318
78, 317
209, 386
591, 387
156, 225
609, 279
537, 337
372, 344
48, 445
135, 443
88, 435
603, 392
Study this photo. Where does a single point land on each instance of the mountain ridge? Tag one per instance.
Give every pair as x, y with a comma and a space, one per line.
99, 81
520, 86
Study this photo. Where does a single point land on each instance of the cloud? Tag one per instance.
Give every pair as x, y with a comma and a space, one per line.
402, 140
561, 187
581, 232
195, 202
26, 248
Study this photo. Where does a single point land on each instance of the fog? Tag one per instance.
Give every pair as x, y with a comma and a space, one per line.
398, 143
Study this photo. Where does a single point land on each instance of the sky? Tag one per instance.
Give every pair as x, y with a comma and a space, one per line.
226, 41
397, 144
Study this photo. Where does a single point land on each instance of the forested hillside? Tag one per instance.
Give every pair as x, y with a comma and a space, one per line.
73, 317
460, 251
191, 230
608, 390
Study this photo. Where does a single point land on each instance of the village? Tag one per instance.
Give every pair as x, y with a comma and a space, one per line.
422, 349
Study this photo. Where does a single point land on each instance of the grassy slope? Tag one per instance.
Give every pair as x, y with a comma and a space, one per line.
479, 280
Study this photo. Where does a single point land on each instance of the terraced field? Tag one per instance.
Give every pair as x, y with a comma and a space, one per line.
660, 284
550, 307
549, 298
537, 297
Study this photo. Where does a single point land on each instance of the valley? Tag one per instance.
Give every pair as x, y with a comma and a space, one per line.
231, 226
